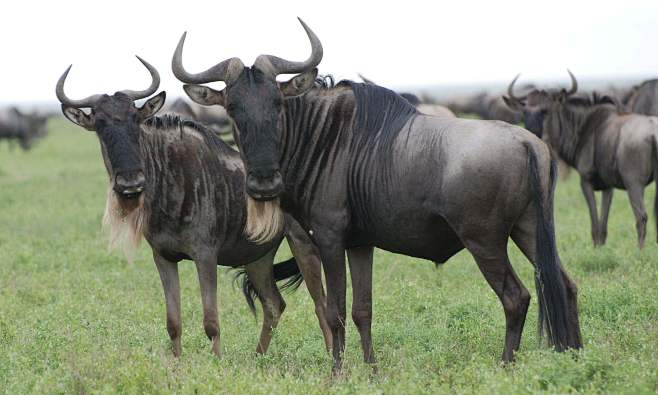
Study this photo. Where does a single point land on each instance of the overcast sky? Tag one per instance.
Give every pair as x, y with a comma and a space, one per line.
401, 43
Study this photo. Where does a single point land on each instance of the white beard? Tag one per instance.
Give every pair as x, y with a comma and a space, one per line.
124, 226
265, 220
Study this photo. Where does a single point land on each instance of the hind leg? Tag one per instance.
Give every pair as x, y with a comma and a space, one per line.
308, 260
261, 276
524, 236
490, 253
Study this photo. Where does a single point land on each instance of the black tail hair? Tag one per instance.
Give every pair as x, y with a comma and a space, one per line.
286, 270
551, 289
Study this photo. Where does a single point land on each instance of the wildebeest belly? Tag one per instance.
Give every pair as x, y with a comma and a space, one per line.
412, 233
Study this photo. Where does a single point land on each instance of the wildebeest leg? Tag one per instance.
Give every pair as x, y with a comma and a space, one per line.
636, 196
171, 285
588, 191
309, 263
360, 261
496, 268
207, 272
605, 210
333, 262
524, 236
261, 276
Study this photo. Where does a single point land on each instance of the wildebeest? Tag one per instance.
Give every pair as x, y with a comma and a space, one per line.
359, 167
486, 106
436, 110
175, 183
15, 126
609, 150
213, 118
643, 99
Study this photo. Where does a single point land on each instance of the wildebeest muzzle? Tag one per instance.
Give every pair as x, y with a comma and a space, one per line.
129, 184
264, 185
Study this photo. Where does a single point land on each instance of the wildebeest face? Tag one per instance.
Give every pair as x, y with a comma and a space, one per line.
537, 104
116, 120
255, 102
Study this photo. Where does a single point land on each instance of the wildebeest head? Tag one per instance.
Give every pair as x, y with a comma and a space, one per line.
116, 120
254, 101
538, 103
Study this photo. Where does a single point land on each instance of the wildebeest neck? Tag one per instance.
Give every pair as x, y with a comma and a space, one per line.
569, 128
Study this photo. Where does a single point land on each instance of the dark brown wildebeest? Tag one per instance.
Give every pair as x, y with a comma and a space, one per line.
20, 127
609, 150
180, 187
643, 99
345, 163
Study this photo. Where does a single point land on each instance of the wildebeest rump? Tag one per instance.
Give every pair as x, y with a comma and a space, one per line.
22, 128
609, 150
644, 98
180, 187
359, 167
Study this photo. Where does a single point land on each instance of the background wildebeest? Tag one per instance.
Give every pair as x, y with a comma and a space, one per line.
643, 99
180, 187
344, 162
609, 150
15, 126
213, 117
434, 109
486, 106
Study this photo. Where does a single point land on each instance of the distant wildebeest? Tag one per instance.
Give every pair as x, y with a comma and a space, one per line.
175, 183
486, 106
643, 99
15, 126
436, 110
609, 150
359, 167
210, 117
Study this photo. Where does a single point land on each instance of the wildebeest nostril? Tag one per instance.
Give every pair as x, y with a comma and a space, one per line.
129, 183
264, 187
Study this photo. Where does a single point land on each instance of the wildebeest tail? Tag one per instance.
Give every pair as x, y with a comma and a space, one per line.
286, 270
551, 288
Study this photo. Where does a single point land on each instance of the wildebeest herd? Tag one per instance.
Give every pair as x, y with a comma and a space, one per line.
339, 169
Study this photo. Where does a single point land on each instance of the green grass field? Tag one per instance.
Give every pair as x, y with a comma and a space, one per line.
75, 318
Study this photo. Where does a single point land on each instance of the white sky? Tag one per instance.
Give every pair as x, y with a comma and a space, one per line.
403, 43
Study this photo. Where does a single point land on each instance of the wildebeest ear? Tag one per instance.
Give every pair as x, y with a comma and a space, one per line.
299, 84
204, 95
78, 117
153, 105
513, 104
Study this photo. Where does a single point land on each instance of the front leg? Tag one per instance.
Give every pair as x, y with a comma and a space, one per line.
308, 260
207, 270
360, 261
332, 252
171, 284
605, 210
588, 191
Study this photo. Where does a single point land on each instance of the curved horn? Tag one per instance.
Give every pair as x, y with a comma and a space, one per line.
366, 80
574, 84
155, 83
276, 65
59, 91
225, 71
510, 89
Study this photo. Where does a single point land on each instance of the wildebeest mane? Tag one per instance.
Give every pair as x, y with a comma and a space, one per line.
168, 121
578, 119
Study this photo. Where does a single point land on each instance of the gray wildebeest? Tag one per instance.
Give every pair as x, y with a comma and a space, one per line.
644, 98
20, 127
344, 162
608, 149
181, 188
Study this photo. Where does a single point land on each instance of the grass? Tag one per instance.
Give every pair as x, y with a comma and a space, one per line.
75, 318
